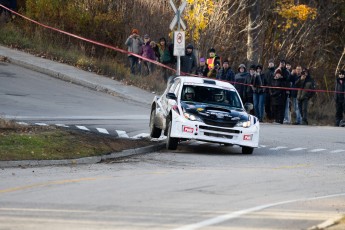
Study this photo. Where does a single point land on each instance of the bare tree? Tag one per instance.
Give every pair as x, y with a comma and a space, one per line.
254, 25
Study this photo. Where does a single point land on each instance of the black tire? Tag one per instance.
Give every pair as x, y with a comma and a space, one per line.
154, 131
247, 150
171, 141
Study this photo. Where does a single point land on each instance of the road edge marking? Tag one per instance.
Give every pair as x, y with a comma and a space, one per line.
233, 215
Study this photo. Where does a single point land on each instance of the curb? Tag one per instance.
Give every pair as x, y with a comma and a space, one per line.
84, 160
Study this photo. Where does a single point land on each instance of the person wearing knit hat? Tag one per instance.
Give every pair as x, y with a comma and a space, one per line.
340, 98
213, 63
278, 97
188, 61
134, 43
149, 53
202, 69
259, 93
295, 75
240, 78
278, 73
226, 73
306, 85
166, 57
249, 88
269, 74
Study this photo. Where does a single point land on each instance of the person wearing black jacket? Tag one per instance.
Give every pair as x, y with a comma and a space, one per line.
305, 83
339, 97
226, 73
249, 88
269, 74
278, 96
259, 92
286, 79
188, 61
240, 79
295, 75
202, 69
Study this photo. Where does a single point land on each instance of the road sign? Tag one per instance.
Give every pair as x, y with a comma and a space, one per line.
178, 14
179, 43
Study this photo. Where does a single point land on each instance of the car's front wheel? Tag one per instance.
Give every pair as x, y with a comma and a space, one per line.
247, 150
154, 131
171, 141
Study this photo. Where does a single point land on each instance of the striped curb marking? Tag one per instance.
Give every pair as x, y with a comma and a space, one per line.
102, 130
123, 134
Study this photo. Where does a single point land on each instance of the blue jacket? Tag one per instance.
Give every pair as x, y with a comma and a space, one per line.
226, 74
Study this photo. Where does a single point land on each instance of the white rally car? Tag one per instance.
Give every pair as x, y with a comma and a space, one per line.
194, 108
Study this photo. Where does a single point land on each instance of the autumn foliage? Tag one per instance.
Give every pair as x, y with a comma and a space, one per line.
305, 32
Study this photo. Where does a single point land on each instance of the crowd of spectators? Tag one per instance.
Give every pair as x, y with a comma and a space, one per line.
280, 94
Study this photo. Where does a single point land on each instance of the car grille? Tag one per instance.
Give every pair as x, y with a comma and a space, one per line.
207, 128
228, 124
218, 135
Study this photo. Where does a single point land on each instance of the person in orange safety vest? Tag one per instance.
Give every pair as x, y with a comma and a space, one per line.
213, 63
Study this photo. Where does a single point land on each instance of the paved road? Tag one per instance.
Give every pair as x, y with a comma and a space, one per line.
294, 181
37, 98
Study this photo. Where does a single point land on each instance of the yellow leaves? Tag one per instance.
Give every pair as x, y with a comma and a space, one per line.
197, 16
299, 12
295, 13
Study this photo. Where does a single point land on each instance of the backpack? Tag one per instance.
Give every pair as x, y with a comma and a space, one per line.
313, 87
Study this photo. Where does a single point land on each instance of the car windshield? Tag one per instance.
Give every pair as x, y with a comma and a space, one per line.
210, 95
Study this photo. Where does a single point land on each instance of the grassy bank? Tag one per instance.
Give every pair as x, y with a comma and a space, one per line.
23, 142
110, 64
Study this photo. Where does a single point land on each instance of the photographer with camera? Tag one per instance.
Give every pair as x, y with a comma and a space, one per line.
305, 83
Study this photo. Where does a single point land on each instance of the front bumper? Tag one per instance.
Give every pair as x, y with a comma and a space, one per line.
196, 130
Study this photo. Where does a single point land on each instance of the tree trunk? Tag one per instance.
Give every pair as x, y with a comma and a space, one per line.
253, 32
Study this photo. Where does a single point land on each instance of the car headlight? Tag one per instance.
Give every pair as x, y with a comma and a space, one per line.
191, 117
244, 124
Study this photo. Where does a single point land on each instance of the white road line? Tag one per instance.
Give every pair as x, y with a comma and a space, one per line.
316, 150
62, 125
279, 148
82, 127
122, 133
22, 123
262, 146
233, 215
141, 135
159, 139
101, 130
41, 124
296, 149
338, 151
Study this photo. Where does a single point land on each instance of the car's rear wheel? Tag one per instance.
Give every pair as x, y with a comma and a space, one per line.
154, 131
247, 150
171, 141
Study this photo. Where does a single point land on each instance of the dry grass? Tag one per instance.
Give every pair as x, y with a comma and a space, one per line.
25, 142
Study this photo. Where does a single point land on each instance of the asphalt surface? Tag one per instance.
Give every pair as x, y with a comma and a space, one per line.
86, 79
99, 83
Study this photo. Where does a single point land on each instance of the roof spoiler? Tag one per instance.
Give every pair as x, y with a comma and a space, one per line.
211, 82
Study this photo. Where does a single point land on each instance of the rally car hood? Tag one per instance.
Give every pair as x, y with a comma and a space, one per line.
216, 115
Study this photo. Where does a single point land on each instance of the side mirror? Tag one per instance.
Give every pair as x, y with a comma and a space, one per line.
171, 96
248, 107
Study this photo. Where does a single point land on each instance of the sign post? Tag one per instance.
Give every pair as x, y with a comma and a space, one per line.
179, 36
